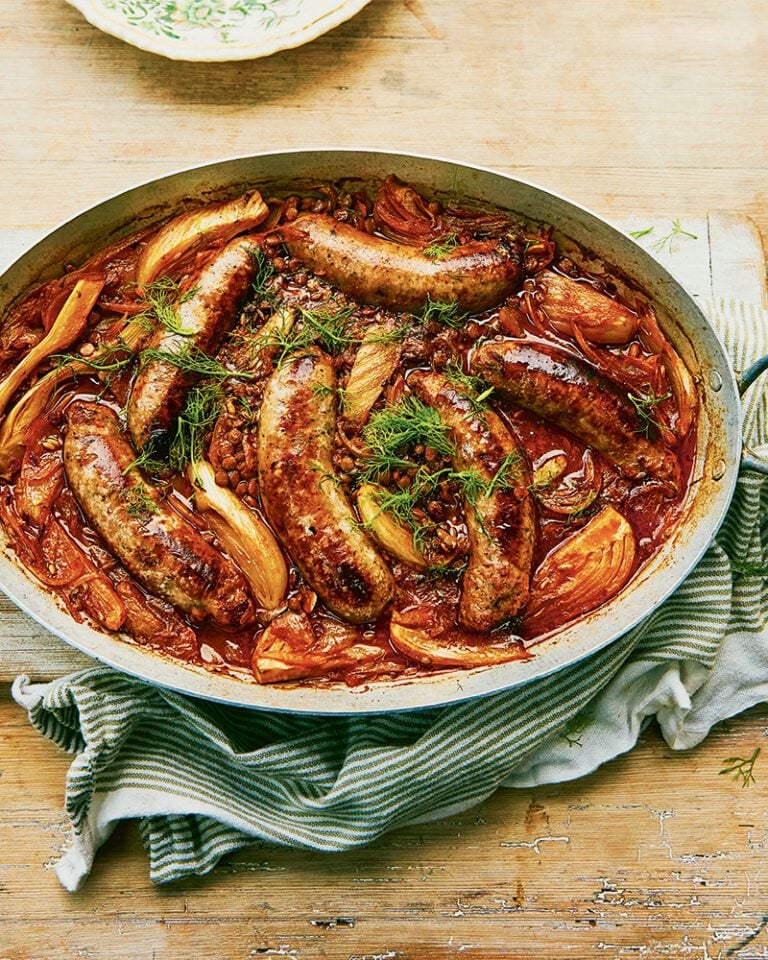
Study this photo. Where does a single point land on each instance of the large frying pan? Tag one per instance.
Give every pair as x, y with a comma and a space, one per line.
714, 472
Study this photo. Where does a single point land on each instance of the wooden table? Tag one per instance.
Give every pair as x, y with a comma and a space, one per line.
629, 108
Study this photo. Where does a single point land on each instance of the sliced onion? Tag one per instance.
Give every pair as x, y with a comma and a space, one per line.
582, 572
374, 364
244, 535
402, 215
394, 537
289, 649
683, 385
66, 328
419, 637
570, 303
39, 484
216, 221
575, 492
32, 405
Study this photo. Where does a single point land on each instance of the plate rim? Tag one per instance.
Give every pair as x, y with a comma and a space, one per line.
95, 13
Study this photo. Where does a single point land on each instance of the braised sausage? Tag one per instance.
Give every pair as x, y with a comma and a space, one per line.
301, 495
158, 390
477, 275
162, 550
500, 523
572, 394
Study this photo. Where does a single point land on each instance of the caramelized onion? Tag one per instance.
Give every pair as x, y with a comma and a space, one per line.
417, 635
573, 493
401, 214
244, 535
570, 303
582, 572
289, 649
31, 406
375, 362
65, 329
217, 221
394, 537
683, 385
39, 484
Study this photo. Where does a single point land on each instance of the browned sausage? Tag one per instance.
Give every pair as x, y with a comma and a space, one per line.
163, 551
158, 390
302, 497
572, 394
501, 524
477, 275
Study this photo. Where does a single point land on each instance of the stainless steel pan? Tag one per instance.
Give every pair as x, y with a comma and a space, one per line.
715, 470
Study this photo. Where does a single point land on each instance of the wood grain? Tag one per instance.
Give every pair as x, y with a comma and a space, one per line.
655, 855
628, 108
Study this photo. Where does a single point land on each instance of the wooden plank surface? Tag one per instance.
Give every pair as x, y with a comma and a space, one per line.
654, 856
630, 109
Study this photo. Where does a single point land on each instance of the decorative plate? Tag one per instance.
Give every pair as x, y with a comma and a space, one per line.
216, 29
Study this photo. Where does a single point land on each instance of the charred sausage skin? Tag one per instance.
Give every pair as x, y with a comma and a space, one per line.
502, 524
477, 275
572, 394
301, 495
205, 316
163, 551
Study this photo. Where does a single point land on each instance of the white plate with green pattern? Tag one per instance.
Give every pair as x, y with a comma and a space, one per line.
217, 29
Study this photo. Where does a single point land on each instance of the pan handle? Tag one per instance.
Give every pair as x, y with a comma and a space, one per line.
749, 461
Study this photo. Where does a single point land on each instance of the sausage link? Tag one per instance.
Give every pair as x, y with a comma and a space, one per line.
301, 495
501, 524
477, 275
163, 551
159, 388
572, 394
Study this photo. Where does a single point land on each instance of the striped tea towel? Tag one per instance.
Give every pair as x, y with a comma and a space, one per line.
204, 779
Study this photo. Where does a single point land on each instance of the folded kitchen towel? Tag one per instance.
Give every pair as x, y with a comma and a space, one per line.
204, 779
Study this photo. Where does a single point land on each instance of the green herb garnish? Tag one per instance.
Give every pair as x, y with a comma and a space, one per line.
446, 314
667, 240
163, 298
637, 234
644, 405
393, 335
109, 358
200, 412
325, 327
740, 768
264, 272
139, 502
442, 247
475, 388
192, 359
323, 390
330, 330
391, 431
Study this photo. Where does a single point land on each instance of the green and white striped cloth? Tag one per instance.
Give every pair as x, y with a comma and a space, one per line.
203, 779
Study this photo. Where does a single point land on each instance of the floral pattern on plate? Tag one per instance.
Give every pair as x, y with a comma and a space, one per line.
226, 18
217, 29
